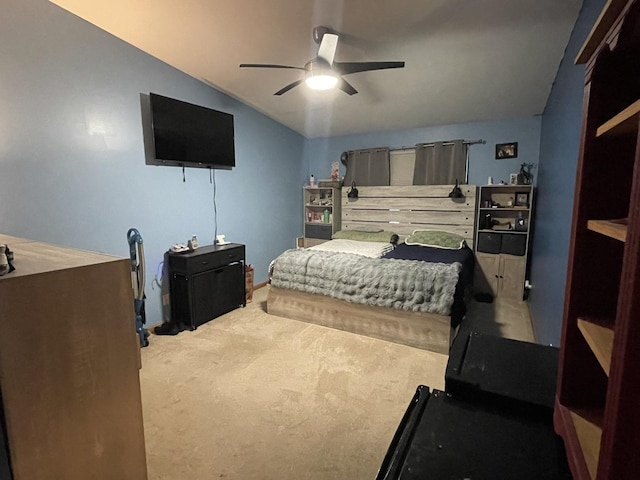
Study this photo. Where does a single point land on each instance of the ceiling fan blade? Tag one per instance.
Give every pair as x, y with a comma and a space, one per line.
346, 87
268, 65
345, 68
327, 49
289, 87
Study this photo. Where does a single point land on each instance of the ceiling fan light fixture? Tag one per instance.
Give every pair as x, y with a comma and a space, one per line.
321, 72
321, 80
319, 75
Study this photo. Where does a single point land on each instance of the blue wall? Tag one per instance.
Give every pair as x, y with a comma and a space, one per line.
72, 162
558, 159
320, 153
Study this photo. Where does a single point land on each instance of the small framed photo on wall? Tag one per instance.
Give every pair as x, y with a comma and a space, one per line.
506, 150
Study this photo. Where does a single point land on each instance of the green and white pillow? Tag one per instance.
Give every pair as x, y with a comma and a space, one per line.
436, 239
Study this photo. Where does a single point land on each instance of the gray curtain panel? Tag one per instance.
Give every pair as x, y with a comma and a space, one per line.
368, 167
440, 164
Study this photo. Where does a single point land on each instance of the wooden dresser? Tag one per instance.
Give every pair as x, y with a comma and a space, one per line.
69, 362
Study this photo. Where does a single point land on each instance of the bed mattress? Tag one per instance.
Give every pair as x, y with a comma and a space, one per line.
395, 283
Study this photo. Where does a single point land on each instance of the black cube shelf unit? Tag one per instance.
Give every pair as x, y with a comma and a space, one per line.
206, 283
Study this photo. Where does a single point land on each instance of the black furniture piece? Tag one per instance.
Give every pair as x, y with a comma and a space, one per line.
495, 420
442, 437
519, 376
206, 283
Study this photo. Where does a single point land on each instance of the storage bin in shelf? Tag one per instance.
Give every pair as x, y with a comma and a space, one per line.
624, 122
599, 336
611, 228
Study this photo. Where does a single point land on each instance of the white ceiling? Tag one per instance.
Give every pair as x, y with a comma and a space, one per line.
466, 60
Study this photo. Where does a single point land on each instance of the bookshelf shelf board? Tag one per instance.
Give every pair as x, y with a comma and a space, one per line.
588, 426
611, 228
599, 337
624, 122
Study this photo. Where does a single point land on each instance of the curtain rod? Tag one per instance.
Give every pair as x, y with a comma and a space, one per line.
465, 142
412, 147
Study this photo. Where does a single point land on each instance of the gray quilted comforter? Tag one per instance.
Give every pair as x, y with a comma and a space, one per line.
403, 284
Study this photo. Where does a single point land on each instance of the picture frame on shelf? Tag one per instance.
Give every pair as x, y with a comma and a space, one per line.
506, 150
513, 179
522, 199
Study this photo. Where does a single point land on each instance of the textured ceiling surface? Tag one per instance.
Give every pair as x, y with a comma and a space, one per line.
466, 61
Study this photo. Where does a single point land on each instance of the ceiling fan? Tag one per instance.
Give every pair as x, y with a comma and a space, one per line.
321, 72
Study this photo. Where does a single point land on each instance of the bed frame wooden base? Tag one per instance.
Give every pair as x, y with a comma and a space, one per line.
427, 331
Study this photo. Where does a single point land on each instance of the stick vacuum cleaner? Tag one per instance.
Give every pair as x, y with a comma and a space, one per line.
136, 252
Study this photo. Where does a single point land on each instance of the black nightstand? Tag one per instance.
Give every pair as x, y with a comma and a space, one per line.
206, 283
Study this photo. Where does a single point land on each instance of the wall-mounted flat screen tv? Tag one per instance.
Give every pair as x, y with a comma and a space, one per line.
191, 135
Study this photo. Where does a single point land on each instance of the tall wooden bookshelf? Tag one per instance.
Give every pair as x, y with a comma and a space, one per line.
598, 391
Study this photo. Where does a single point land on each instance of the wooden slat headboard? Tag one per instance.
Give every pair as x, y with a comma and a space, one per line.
403, 209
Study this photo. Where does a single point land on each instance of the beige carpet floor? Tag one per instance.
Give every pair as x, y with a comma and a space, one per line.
254, 396
503, 318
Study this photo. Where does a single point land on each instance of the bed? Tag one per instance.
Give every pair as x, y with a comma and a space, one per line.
380, 311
